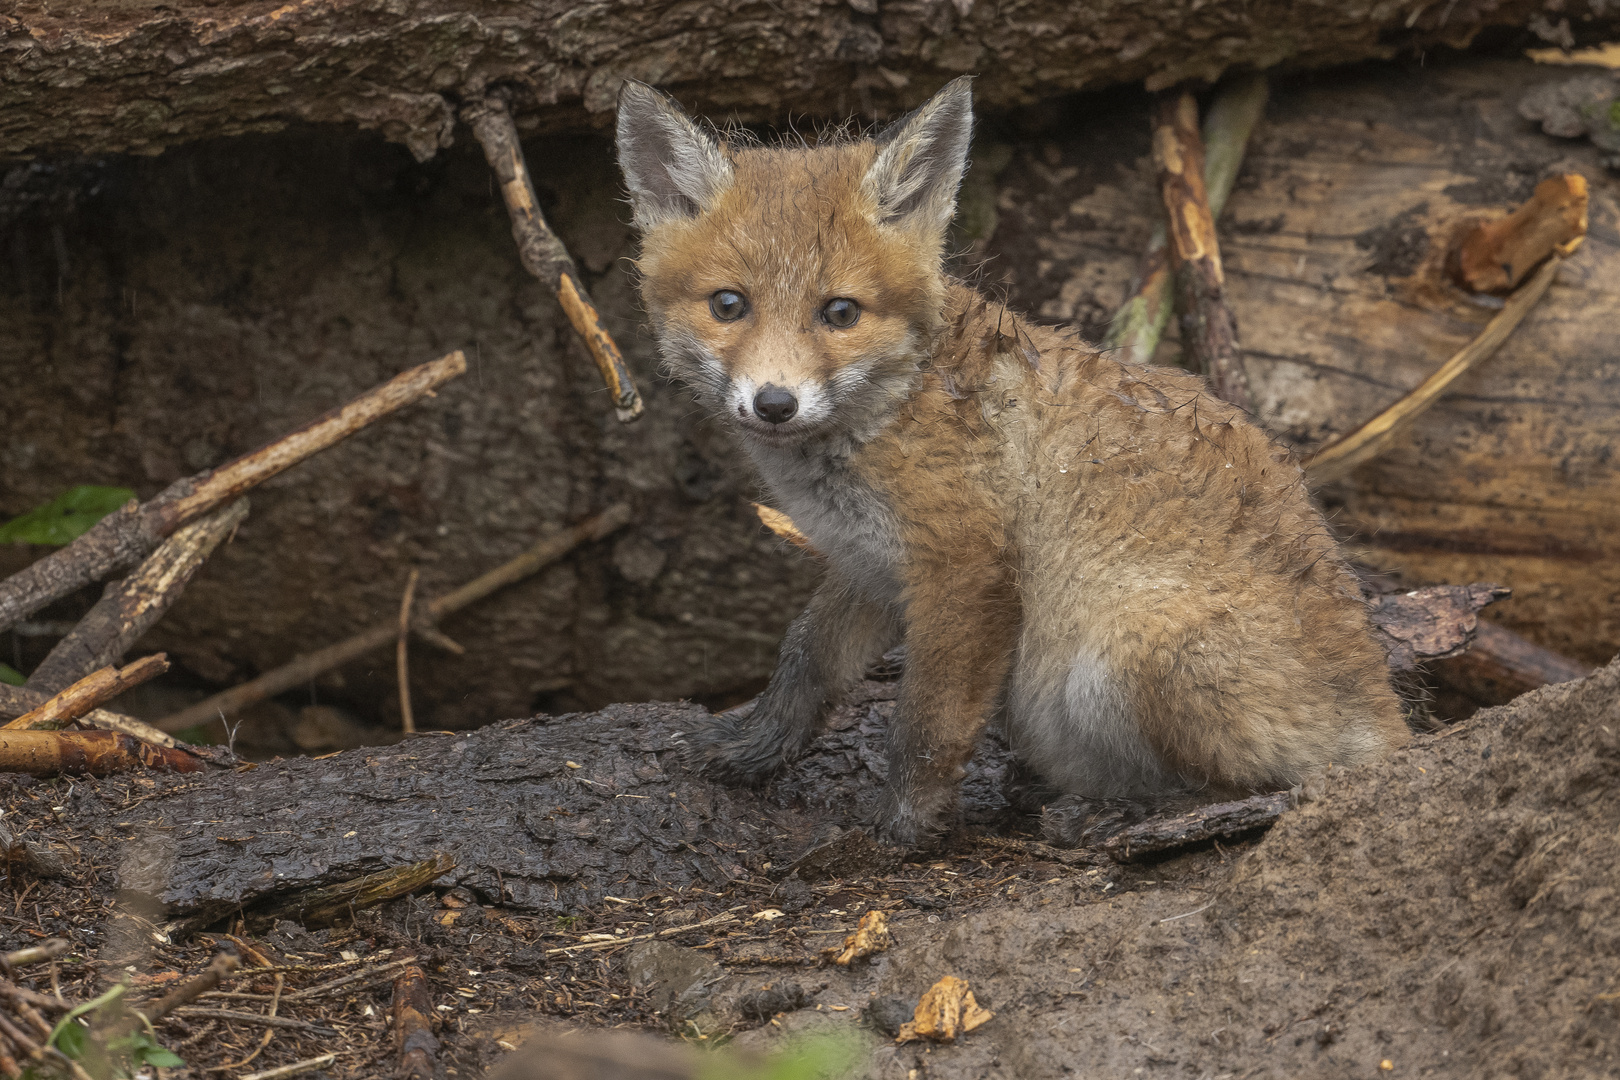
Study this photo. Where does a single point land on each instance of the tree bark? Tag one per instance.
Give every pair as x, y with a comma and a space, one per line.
82, 77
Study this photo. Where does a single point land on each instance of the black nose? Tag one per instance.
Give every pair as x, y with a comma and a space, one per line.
775, 405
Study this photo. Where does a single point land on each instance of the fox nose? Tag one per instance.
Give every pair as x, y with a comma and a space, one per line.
775, 405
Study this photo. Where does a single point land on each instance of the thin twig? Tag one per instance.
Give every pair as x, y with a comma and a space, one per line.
402, 651
16, 700
301, 670
260, 1019
295, 1069
1338, 458
728, 916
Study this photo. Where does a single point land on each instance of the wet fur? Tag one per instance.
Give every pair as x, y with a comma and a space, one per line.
1127, 566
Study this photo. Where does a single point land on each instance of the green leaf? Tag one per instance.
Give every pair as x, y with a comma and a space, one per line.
70, 1038
11, 676
66, 517
162, 1058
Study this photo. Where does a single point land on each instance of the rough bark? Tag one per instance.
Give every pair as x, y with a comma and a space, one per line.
85, 76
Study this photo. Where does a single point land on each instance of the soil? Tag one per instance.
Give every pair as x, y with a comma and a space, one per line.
1447, 912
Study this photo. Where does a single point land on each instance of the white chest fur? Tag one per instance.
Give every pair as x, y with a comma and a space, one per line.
845, 519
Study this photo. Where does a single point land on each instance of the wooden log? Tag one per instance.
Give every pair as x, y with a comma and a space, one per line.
16, 700
128, 609
411, 1016
1140, 321
542, 252
96, 753
87, 693
328, 904
123, 538
1495, 255
301, 670
1209, 338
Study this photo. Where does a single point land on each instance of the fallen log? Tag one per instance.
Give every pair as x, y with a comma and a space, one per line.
128, 609
543, 254
87, 693
126, 536
1209, 339
304, 668
1501, 665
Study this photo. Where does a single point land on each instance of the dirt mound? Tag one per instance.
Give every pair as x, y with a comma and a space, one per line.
1450, 911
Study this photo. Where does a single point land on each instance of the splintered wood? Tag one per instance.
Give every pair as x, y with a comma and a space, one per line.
870, 937
89, 692
946, 1012
1495, 256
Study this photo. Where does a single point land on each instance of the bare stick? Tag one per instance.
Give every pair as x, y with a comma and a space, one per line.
49, 949
543, 254
301, 670
98, 753
260, 1019
1495, 256
412, 1016
1338, 458
1208, 330
16, 700
127, 536
129, 608
729, 916
297, 1068
402, 651
1140, 321
89, 692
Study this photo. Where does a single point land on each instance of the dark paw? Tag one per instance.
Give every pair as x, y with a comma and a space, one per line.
912, 826
731, 749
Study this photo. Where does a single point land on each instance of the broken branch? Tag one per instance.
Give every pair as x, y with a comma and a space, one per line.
16, 700
1338, 458
412, 1014
129, 608
89, 692
98, 753
1208, 329
543, 254
128, 535
1140, 321
1204, 823
304, 668
324, 906
1501, 665
1495, 256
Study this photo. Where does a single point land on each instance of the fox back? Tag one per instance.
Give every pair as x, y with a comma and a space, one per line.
1126, 565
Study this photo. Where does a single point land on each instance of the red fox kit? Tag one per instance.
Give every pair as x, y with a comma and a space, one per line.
1125, 564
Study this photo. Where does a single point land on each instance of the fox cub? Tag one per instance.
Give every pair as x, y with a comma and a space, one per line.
1124, 564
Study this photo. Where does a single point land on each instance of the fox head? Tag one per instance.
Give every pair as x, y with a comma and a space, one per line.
796, 290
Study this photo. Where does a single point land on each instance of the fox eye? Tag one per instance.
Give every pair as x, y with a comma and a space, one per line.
728, 306
841, 313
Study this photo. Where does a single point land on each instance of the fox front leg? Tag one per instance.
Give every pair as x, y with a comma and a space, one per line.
961, 629
826, 649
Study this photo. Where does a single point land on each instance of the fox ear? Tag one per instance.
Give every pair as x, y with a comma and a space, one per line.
675, 169
921, 158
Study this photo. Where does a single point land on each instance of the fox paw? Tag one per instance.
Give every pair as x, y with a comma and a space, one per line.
730, 749
908, 826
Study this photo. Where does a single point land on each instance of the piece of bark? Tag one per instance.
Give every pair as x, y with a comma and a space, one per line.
1208, 328
1231, 119
1340, 457
128, 608
1501, 665
87, 693
1494, 256
1431, 623
1196, 826
411, 1016
304, 668
328, 904
128, 535
16, 700
542, 252
98, 753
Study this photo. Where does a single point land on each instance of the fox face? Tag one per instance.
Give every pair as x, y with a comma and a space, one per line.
795, 290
